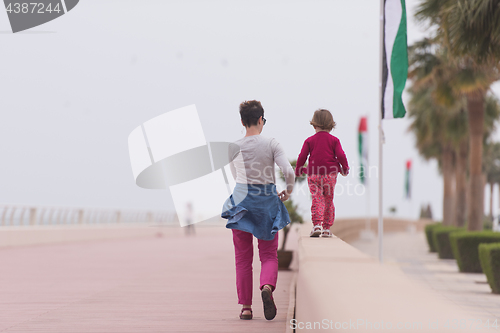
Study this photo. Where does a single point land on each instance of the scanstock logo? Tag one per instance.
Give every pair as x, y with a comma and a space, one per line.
25, 15
170, 152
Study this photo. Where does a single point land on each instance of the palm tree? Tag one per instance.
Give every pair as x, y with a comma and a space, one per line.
439, 123
440, 115
470, 30
492, 169
458, 127
428, 122
491, 156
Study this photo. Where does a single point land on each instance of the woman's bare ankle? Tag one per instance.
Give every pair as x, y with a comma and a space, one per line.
268, 286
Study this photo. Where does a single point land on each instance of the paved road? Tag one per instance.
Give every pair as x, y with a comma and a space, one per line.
174, 283
409, 251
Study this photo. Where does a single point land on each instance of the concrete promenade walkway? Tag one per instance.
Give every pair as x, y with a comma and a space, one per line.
409, 251
174, 283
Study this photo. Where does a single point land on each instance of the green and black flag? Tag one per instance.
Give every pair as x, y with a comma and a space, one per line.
394, 60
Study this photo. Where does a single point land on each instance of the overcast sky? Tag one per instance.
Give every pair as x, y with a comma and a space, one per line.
74, 88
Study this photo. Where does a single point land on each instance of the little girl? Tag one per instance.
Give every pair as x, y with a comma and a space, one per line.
326, 160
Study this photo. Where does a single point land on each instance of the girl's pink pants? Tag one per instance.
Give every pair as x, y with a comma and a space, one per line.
243, 249
322, 188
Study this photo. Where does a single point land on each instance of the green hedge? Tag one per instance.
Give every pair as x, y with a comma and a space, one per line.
465, 248
489, 256
440, 235
428, 235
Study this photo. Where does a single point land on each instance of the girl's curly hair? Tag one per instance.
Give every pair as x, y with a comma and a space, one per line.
323, 119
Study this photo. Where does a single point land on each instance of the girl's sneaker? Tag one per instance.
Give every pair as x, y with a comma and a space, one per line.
316, 231
326, 233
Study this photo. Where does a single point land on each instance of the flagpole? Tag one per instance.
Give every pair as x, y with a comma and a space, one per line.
367, 179
380, 140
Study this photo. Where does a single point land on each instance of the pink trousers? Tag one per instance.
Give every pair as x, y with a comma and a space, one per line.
243, 250
322, 188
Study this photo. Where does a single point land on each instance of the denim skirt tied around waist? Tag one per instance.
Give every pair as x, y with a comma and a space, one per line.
257, 209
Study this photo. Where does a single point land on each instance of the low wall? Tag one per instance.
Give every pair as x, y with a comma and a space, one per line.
51, 234
38, 235
339, 288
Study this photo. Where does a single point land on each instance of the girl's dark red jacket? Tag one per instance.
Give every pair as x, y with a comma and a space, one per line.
326, 155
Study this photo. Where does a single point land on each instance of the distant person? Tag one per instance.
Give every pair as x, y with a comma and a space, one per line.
326, 160
189, 219
255, 209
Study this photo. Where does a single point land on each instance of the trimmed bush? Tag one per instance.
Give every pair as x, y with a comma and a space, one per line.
465, 245
428, 235
489, 256
487, 223
440, 235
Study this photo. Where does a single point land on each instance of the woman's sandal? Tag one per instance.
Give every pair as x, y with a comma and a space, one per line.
316, 231
246, 316
268, 301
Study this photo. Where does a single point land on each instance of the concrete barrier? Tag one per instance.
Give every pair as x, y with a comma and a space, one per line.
339, 288
25, 215
38, 235
51, 234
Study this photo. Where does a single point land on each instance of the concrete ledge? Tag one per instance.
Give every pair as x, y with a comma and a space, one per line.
291, 303
340, 288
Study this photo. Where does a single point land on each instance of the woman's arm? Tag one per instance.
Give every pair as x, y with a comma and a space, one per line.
233, 151
233, 169
287, 170
282, 161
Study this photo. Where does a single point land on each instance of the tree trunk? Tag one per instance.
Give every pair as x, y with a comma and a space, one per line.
475, 105
461, 185
498, 214
491, 202
485, 182
453, 175
447, 164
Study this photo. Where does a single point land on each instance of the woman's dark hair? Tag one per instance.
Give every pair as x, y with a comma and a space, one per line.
250, 112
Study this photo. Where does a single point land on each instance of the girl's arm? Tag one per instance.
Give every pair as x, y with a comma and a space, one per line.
339, 152
301, 160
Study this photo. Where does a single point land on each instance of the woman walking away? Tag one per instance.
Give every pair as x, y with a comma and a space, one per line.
326, 160
255, 209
